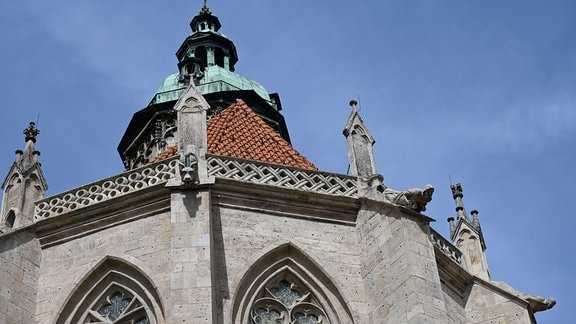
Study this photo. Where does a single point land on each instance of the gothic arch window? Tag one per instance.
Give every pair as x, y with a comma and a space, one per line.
286, 286
10, 219
113, 292
286, 299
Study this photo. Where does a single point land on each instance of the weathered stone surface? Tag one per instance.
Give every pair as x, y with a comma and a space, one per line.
205, 254
20, 257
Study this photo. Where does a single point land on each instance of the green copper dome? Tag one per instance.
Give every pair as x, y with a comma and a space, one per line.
170, 90
208, 57
216, 79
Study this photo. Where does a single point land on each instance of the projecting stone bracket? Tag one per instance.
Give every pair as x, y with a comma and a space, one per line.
537, 303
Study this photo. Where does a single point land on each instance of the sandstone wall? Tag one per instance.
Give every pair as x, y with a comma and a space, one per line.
20, 260
246, 237
454, 305
487, 306
145, 243
399, 269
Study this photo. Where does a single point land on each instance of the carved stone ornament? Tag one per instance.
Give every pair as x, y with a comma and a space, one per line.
192, 105
415, 199
371, 187
98, 192
282, 176
189, 169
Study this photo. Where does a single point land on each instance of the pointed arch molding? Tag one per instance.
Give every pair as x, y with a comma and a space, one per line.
108, 276
282, 263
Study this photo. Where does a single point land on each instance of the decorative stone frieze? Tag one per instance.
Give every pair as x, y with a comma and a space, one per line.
97, 192
222, 167
282, 176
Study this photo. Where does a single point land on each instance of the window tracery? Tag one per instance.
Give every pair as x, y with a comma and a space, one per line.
113, 292
287, 301
117, 306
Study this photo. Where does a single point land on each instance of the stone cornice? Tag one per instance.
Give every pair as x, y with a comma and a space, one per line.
284, 202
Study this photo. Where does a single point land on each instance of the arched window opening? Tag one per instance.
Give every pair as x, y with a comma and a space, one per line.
286, 286
10, 219
219, 57
114, 292
201, 54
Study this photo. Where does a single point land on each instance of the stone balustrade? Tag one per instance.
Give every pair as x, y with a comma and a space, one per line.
446, 247
218, 166
282, 176
101, 191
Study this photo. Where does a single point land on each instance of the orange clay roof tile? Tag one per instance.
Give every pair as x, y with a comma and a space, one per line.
239, 132
168, 153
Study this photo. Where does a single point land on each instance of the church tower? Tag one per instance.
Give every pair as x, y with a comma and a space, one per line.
467, 235
219, 219
207, 58
24, 184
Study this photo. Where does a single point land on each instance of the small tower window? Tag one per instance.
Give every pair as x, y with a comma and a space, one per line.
219, 57
201, 54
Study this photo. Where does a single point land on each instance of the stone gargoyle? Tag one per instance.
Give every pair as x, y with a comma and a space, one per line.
415, 199
189, 169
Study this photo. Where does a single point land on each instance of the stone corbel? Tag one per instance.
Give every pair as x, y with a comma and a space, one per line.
537, 303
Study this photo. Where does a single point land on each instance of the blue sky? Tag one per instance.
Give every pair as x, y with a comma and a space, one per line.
483, 91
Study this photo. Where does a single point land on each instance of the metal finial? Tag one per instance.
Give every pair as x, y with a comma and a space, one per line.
205, 9
353, 104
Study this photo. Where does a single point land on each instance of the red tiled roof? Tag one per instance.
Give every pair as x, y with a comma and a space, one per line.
239, 132
168, 153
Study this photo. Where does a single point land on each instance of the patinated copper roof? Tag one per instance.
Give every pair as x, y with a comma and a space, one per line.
239, 132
